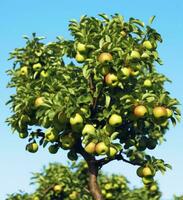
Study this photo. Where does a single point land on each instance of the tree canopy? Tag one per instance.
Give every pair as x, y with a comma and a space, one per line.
98, 95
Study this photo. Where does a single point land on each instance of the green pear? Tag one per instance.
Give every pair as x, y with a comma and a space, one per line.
37, 66
32, 147
159, 112
115, 120
24, 71
111, 80
112, 151
88, 129
23, 134
135, 55
90, 148
147, 83
147, 45
51, 135
53, 149
81, 47
140, 111
103, 57
101, 148
80, 58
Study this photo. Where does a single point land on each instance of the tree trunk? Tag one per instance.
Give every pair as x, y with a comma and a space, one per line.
93, 184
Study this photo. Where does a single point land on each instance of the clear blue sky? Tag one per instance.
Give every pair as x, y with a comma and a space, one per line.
50, 19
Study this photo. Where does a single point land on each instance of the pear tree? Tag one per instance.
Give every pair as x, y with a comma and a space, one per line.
98, 95
60, 182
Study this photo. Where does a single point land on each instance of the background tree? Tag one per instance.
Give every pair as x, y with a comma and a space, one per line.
111, 106
57, 182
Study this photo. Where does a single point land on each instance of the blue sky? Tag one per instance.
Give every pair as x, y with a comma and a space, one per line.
50, 19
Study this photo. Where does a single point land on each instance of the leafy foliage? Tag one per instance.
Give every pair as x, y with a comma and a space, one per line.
73, 179
108, 99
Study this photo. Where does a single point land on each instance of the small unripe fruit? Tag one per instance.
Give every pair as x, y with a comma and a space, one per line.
111, 80
112, 151
147, 180
109, 195
80, 58
51, 135
32, 147
151, 143
24, 71
36, 198
37, 66
147, 172
123, 33
39, 102
115, 120
73, 195
88, 129
153, 188
81, 47
103, 191
147, 83
135, 55
53, 149
103, 57
126, 71
23, 135
147, 44
72, 155
44, 74
76, 119
145, 55
108, 186
57, 188
67, 141
140, 172
140, 111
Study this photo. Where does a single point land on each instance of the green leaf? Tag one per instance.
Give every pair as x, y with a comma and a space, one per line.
104, 16
151, 19
147, 95
173, 121
162, 98
137, 21
114, 135
107, 101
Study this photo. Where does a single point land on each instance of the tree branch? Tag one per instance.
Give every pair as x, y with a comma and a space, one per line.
47, 190
118, 157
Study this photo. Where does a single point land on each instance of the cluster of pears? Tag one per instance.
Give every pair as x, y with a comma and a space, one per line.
81, 50
37, 68
100, 148
147, 174
112, 78
160, 113
108, 188
60, 188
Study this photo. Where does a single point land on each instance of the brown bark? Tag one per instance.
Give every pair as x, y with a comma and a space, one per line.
93, 184
93, 169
